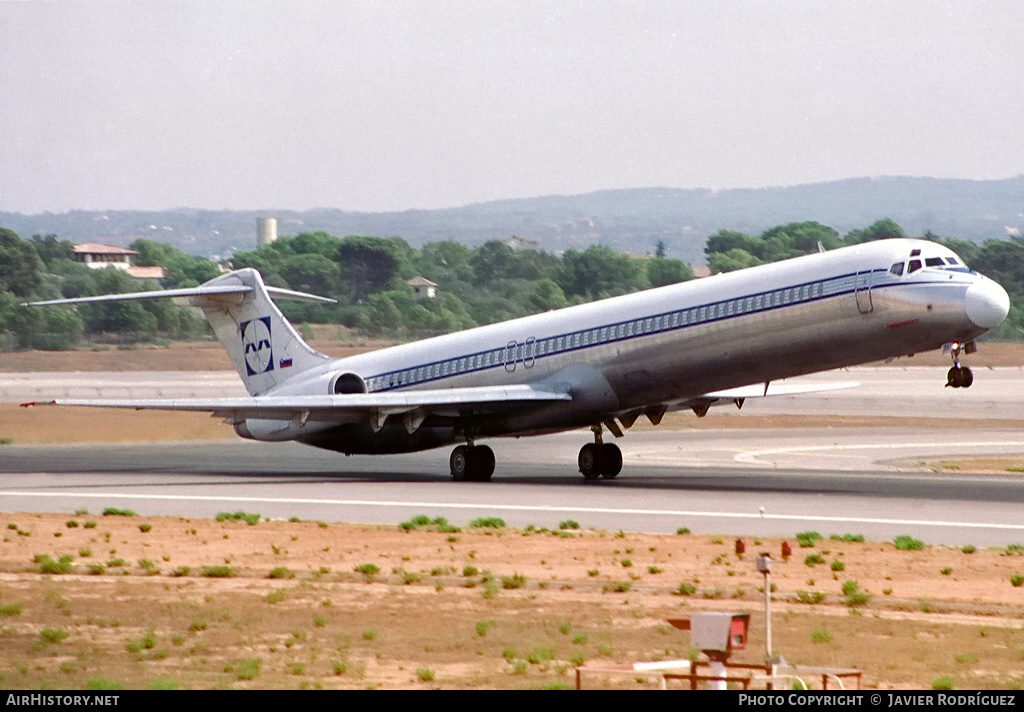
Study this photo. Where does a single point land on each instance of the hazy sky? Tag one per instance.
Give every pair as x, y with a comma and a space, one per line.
423, 104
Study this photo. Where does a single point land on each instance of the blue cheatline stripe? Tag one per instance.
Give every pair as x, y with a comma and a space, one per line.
820, 289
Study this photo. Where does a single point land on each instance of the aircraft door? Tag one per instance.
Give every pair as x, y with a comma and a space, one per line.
862, 292
529, 352
510, 356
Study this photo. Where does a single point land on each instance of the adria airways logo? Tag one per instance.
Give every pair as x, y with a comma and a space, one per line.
259, 356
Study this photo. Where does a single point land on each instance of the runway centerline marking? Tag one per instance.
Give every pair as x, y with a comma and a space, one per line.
518, 508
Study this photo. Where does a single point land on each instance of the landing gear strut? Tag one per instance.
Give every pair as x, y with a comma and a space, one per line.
959, 376
472, 462
600, 459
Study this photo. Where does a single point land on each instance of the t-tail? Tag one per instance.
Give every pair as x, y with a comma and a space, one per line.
264, 348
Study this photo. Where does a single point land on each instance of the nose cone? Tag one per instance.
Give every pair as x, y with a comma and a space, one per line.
987, 303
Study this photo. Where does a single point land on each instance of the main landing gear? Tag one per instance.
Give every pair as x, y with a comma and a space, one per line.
600, 459
960, 376
474, 463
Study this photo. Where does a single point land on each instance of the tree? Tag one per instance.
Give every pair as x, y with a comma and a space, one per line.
20, 266
731, 260
600, 271
662, 271
52, 248
879, 230
367, 264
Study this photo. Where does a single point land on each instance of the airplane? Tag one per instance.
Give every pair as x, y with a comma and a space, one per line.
601, 365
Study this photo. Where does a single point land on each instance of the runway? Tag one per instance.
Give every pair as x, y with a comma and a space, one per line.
730, 482
708, 481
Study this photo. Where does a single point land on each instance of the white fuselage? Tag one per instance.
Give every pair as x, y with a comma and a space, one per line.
661, 347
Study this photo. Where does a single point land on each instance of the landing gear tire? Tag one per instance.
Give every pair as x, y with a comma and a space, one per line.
590, 461
611, 461
472, 463
482, 461
959, 377
600, 460
459, 463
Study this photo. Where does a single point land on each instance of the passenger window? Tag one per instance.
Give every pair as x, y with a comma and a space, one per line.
913, 266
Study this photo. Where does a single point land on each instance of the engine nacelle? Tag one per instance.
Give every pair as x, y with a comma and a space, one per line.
347, 382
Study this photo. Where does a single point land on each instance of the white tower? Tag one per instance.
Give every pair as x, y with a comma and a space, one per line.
266, 231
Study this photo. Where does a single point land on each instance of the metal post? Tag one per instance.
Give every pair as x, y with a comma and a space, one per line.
764, 565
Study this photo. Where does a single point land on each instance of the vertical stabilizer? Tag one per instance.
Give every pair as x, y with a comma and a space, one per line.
264, 348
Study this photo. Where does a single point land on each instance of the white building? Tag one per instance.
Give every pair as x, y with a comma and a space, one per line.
422, 288
103, 256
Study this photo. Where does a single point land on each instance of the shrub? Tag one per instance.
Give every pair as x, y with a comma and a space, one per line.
569, 524
145, 527
488, 522
217, 572
61, 566
683, 530
837, 565
807, 539
617, 587
859, 538
424, 674
10, 609
820, 635
114, 512
246, 668
1017, 580
813, 559
246, 517
905, 542
686, 589
810, 597
367, 570
53, 635
280, 572
853, 595
944, 682
513, 581
968, 549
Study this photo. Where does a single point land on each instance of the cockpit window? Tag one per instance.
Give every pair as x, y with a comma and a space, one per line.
952, 260
913, 266
897, 269
934, 262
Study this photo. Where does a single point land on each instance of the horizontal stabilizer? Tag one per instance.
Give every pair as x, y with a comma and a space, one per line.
209, 290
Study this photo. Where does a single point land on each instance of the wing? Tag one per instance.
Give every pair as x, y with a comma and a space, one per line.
342, 408
736, 396
731, 396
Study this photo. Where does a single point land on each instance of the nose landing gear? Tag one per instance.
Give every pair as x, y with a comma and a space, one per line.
960, 376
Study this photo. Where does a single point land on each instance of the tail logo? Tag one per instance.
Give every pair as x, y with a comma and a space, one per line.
259, 355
